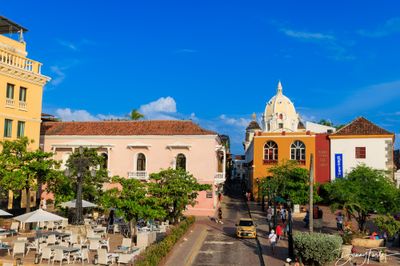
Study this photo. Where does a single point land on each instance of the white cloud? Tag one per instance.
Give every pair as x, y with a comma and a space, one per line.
391, 26
185, 51
59, 75
67, 114
164, 108
69, 45
238, 122
337, 49
307, 35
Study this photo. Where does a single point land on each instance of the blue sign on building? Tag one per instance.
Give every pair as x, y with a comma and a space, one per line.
338, 165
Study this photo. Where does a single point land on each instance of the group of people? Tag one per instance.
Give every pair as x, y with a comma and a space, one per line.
280, 232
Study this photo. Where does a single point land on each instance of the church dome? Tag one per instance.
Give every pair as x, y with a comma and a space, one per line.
280, 113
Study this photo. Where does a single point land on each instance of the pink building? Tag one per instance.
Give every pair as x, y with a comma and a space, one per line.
135, 149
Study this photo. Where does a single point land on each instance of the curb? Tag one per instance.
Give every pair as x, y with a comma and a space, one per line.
196, 247
260, 254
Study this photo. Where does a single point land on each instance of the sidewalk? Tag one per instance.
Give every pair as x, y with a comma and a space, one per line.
281, 250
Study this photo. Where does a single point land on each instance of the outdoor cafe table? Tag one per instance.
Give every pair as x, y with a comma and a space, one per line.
5, 247
94, 238
125, 250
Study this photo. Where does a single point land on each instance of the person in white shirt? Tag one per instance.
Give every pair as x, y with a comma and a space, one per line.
272, 240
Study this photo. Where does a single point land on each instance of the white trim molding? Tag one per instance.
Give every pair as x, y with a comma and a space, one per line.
179, 145
138, 145
75, 144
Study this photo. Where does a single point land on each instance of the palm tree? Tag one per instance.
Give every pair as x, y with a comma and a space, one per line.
135, 115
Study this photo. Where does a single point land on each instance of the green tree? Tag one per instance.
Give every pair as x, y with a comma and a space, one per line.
176, 189
133, 202
387, 223
363, 191
135, 115
325, 122
288, 180
23, 169
85, 176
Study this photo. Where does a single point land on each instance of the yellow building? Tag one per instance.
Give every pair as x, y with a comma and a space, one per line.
283, 137
21, 86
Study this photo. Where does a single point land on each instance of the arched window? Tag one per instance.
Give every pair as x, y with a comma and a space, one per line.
270, 152
181, 161
105, 160
141, 162
298, 151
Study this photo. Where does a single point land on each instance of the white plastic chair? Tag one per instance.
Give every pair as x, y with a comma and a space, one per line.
126, 243
51, 240
81, 255
50, 226
106, 244
94, 245
14, 227
73, 239
18, 248
60, 256
32, 245
103, 257
125, 259
47, 254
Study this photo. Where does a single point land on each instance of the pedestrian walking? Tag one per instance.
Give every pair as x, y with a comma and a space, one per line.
339, 221
279, 232
272, 240
283, 215
288, 262
269, 218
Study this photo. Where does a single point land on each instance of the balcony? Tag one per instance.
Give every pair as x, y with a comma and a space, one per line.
20, 62
140, 175
22, 105
219, 178
10, 102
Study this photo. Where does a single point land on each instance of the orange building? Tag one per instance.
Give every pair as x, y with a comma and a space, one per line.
283, 137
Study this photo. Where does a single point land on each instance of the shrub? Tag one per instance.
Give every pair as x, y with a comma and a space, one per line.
317, 248
388, 224
156, 252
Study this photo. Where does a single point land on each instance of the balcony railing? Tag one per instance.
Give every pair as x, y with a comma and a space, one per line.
22, 105
10, 102
20, 62
140, 175
219, 178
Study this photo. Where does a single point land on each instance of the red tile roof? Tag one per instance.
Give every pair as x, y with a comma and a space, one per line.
361, 126
124, 128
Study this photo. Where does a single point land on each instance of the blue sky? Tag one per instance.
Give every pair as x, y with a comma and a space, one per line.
216, 62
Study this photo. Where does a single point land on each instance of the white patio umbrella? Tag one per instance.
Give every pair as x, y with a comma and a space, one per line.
4, 213
72, 204
38, 216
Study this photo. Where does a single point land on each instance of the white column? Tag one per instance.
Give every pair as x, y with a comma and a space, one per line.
108, 160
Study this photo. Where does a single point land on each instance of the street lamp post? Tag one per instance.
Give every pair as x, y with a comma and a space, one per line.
290, 233
258, 189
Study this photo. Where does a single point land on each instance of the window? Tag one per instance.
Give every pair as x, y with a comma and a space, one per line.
209, 194
181, 161
22, 94
105, 160
7, 128
10, 91
270, 152
20, 129
361, 153
141, 162
280, 125
298, 152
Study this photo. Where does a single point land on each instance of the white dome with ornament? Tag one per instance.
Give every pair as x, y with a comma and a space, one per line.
280, 114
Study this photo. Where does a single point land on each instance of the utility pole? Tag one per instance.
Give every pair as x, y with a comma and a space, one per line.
310, 211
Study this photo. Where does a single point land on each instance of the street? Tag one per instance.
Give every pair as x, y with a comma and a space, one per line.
220, 246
